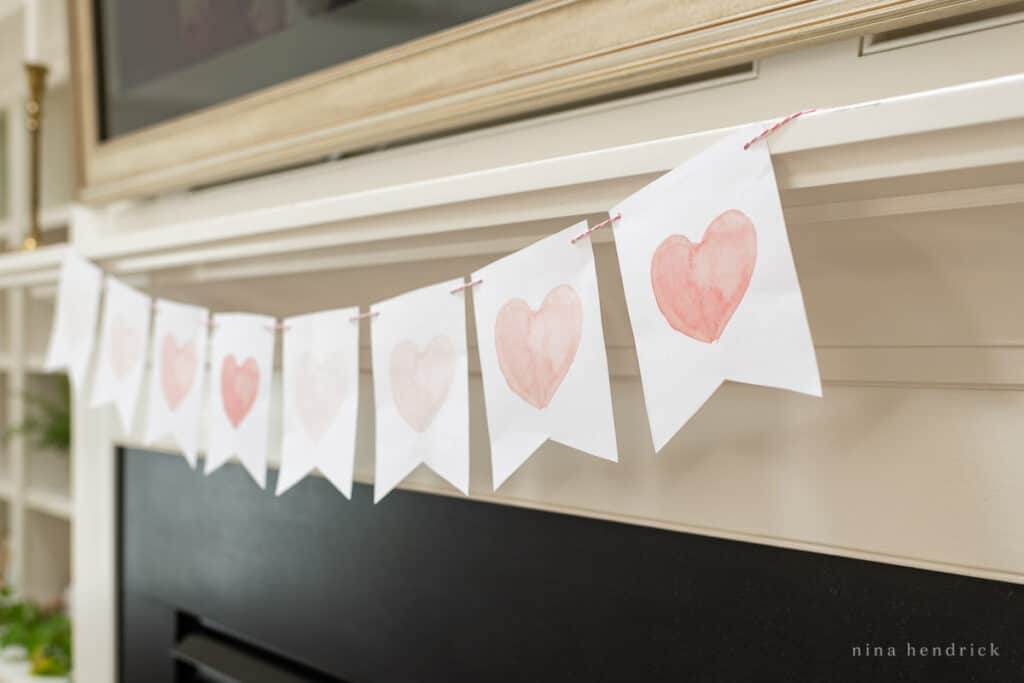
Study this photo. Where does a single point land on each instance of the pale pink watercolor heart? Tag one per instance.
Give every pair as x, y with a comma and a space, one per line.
125, 346
239, 385
420, 380
537, 348
177, 369
319, 391
699, 286
78, 320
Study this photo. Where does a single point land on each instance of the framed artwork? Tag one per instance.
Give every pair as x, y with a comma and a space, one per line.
178, 93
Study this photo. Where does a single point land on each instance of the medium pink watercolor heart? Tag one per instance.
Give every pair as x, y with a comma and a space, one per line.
537, 348
239, 385
420, 380
319, 391
699, 286
125, 346
177, 369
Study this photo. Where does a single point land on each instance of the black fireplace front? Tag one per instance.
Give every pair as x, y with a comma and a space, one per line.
221, 581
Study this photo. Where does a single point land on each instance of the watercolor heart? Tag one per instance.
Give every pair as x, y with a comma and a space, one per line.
537, 348
420, 380
239, 385
78, 318
699, 286
125, 346
319, 391
177, 369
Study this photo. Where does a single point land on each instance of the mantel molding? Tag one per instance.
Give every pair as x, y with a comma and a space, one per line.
307, 225
307, 228
507, 65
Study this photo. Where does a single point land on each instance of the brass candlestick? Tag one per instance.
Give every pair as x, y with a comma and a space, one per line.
34, 121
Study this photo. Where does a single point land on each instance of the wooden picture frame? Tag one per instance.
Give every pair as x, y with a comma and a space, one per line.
536, 57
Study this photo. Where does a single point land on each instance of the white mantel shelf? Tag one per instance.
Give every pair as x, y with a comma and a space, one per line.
305, 229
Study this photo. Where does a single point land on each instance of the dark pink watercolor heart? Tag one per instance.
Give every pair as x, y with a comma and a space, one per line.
699, 286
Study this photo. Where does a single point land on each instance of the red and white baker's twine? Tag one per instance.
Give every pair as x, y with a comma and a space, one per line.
607, 221
586, 233
370, 314
366, 314
466, 285
779, 124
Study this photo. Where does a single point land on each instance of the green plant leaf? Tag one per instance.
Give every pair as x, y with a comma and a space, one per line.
45, 636
47, 422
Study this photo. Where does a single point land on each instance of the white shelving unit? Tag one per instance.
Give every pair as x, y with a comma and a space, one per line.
35, 494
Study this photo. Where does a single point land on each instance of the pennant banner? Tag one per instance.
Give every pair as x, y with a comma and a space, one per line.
238, 410
321, 394
421, 386
175, 391
74, 320
542, 352
710, 284
123, 345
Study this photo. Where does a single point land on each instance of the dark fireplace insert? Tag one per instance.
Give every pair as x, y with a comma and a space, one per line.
222, 582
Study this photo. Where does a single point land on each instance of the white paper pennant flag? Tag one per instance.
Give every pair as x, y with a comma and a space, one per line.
74, 320
123, 345
238, 410
542, 353
421, 386
321, 395
175, 390
710, 283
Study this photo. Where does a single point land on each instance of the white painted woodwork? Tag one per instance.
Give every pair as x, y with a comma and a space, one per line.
905, 218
